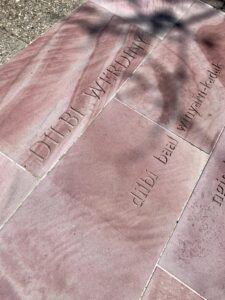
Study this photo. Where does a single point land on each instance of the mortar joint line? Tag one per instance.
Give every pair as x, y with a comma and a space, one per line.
182, 212
180, 281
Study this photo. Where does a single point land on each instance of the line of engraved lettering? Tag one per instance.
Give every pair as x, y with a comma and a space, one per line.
167, 151
219, 195
143, 187
59, 133
135, 48
114, 70
109, 76
34, 149
129, 53
124, 59
53, 140
69, 119
77, 111
104, 79
186, 120
43, 148
139, 37
95, 91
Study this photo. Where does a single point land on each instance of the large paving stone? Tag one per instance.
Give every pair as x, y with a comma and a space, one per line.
196, 252
97, 224
53, 89
155, 16
15, 185
181, 84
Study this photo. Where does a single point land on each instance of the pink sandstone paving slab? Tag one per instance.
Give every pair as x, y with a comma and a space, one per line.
181, 85
15, 185
97, 224
165, 287
196, 251
53, 89
157, 16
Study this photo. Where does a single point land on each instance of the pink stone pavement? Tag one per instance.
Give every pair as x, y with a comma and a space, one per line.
112, 156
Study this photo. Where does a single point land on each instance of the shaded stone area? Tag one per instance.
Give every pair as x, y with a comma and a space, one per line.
110, 217
21, 21
66, 44
220, 4
165, 287
120, 130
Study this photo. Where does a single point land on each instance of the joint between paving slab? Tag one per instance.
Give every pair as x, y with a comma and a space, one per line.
161, 126
20, 205
200, 175
181, 282
221, 9
157, 262
13, 161
170, 236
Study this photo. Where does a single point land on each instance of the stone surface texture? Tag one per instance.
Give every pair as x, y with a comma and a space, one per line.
15, 184
27, 20
53, 90
181, 84
96, 213
196, 253
165, 287
112, 142
156, 16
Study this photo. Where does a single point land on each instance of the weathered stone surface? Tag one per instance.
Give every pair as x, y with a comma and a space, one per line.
196, 253
97, 224
165, 287
15, 185
155, 16
182, 83
53, 89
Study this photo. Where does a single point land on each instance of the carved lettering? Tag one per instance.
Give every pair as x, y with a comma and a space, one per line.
41, 150
121, 63
140, 38
55, 135
143, 187
167, 151
219, 195
95, 91
72, 117
188, 117
69, 119
52, 139
114, 70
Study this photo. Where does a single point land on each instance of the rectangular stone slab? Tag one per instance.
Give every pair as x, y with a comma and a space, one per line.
164, 287
54, 88
196, 253
15, 185
182, 83
97, 224
155, 16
